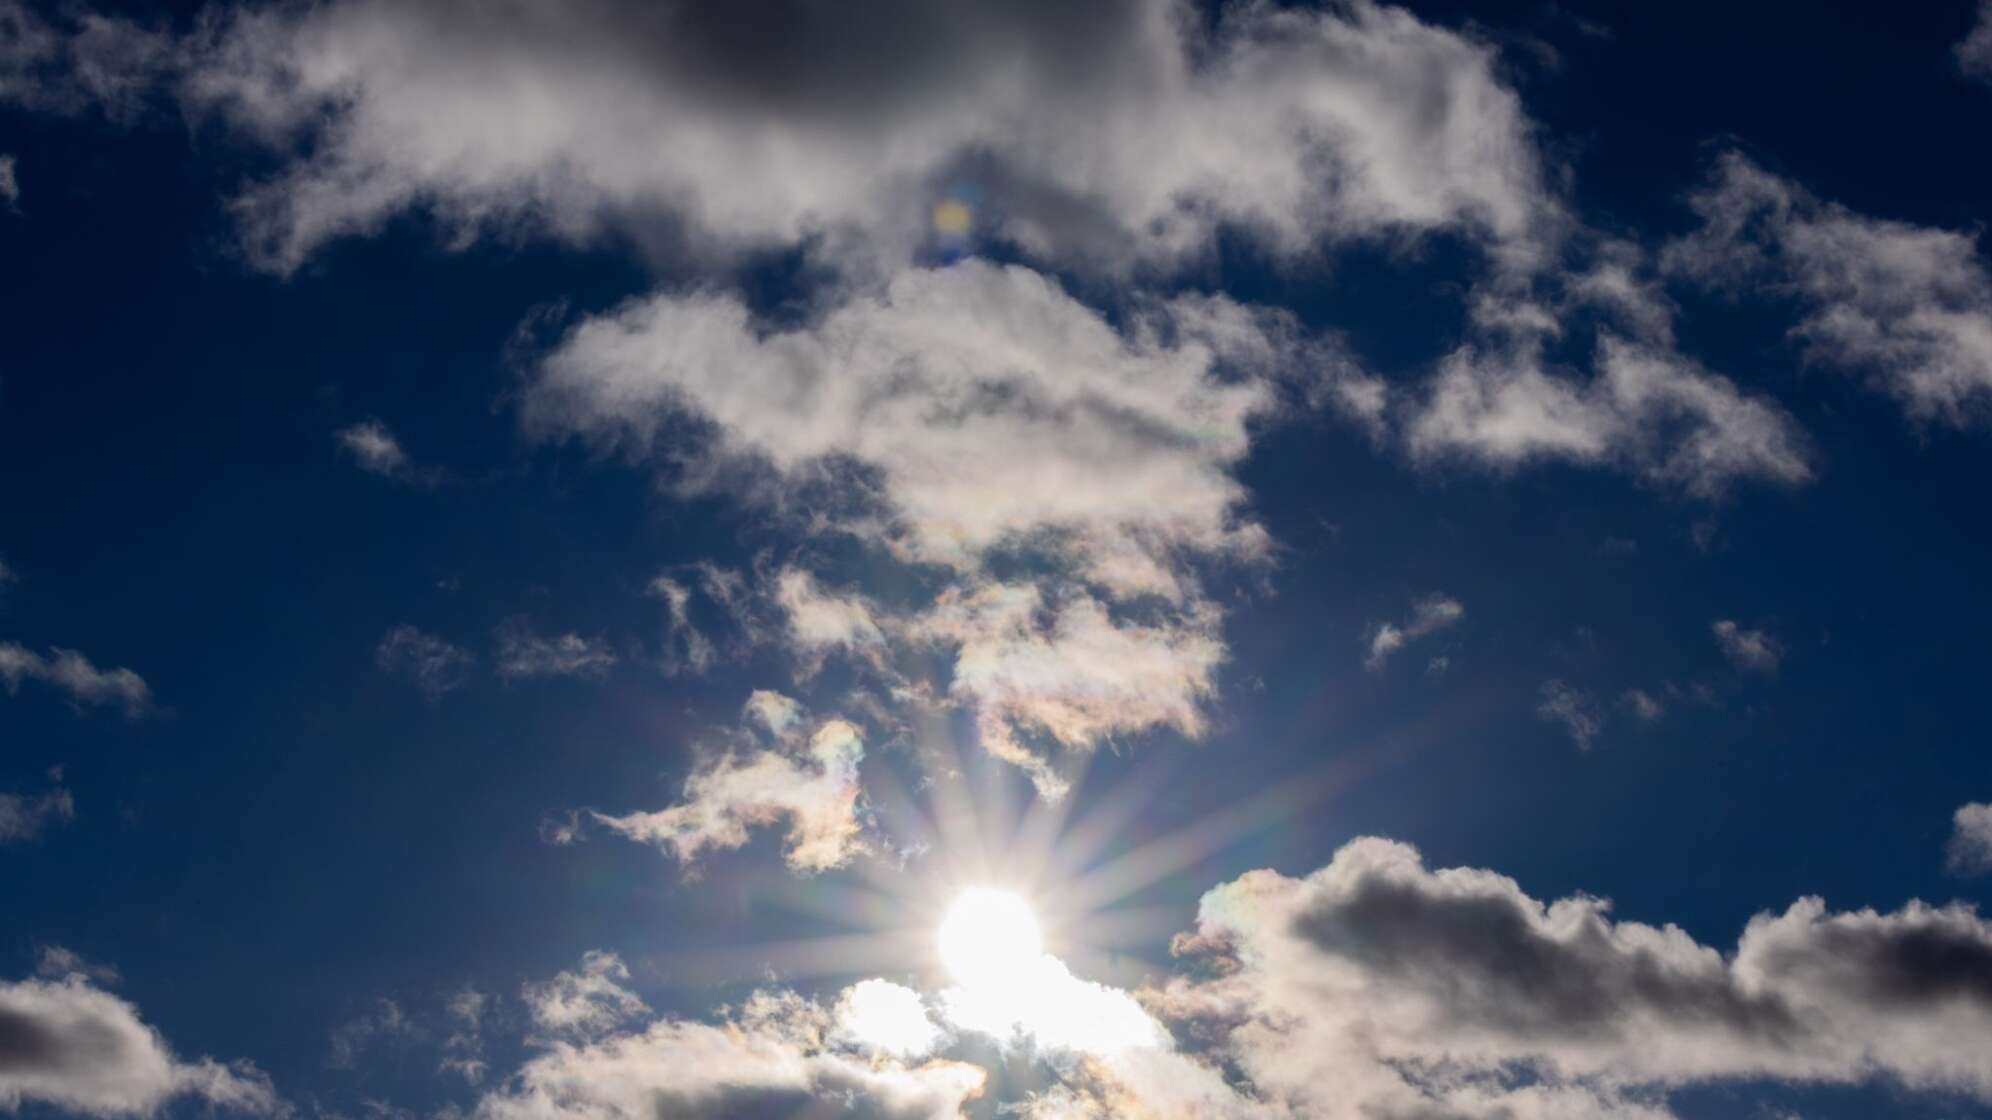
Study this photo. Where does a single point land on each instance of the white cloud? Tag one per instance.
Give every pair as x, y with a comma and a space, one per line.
434, 665
70, 1045
957, 416
588, 1004
378, 451
811, 785
72, 674
10, 184
1647, 409
881, 1017
463, 1047
1970, 849
82, 61
1377, 987
1911, 306
1974, 53
1574, 709
1747, 649
776, 1055
1429, 615
523, 653
1101, 133
23, 817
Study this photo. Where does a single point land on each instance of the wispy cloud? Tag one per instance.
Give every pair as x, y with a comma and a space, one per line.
1429, 615
72, 674
432, 664
1755, 650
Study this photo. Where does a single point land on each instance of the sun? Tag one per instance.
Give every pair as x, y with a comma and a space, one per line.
989, 938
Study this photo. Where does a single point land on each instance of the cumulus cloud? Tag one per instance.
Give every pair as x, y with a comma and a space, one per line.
1429, 615
1646, 409
1574, 709
1974, 53
523, 653
961, 415
777, 1054
66, 1043
810, 783
432, 664
72, 674
24, 817
1755, 650
1113, 132
1377, 987
1970, 849
1910, 306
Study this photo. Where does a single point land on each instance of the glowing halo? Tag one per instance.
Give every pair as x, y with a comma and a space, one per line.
990, 937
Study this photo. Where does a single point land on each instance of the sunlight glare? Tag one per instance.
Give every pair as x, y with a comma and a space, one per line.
989, 937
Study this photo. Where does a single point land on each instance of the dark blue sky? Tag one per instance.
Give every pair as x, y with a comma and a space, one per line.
292, 830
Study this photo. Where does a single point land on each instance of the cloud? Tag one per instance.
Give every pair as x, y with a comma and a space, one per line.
1574, 709
1117, 132
82, 61
68, 1044
1376, 987
810, 784
960, 417
1647, 409
383, 1021
377, 451
24, 818
1747, 649
10, 184
1429, 615
1642, 705
1910, 306
1970, 849
1974, 53
434, 665
778, 1054
880, 1017
587, 1004
71, 673
522, 653
463, 1047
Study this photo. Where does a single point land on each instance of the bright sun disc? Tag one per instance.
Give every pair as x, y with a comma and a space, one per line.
989, 936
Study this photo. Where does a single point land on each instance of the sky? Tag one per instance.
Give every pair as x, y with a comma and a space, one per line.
623, 561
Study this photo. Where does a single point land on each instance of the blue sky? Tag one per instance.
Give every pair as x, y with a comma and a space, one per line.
547, 549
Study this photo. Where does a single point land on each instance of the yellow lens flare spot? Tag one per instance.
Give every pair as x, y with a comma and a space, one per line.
952, 218
990, 938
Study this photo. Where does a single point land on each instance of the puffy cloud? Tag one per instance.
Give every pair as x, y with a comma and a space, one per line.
957, 417
881, 1017
1429, 615
377, 451
812, 785
68, 1044
1574, 709
1647, 409
778, 1055
1062, 667
1970, 849
587, 1004
434, 665
1909, 305
523, 653
1377, 987
71, 673
24, 818
1119, 131
1747, 649
1974, 53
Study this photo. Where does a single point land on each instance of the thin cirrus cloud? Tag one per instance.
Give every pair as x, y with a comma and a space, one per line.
25, 817
67, 1043
1429, 615
432, 664
1573, 709
73, 675
521, 652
